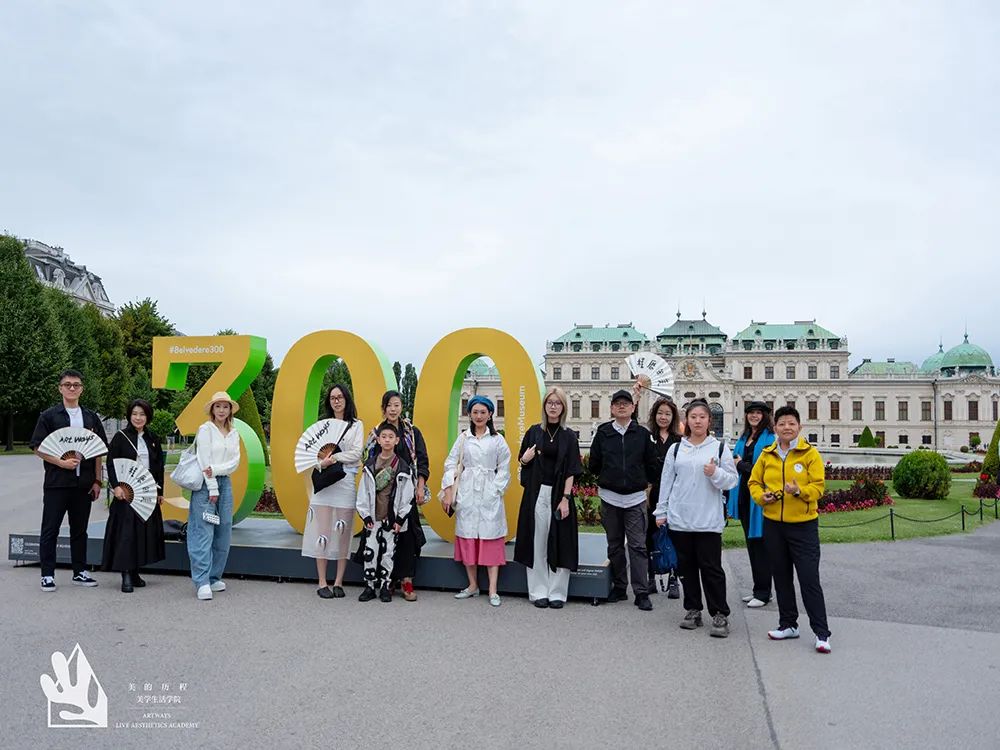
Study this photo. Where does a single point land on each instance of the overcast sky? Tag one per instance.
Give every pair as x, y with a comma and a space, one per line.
403, 169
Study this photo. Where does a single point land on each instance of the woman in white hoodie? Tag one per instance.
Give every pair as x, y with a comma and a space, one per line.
210, 519
696, 472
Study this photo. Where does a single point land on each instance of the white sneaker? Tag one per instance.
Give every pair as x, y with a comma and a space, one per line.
467, 593
205, 592
746, 599
219, 586
754, 603
783, 634
822, 646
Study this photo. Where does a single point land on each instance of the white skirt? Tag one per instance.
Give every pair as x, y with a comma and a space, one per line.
340, 495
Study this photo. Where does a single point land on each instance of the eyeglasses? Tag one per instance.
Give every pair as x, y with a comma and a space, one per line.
338, 398
71, 386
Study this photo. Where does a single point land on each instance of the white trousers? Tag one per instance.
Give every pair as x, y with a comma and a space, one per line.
542, 582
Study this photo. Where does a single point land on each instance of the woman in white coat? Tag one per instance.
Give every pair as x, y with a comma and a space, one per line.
479, 463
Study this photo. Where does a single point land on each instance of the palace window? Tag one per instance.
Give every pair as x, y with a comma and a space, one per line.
856, 411
595, 373
812, 372
576, 347
769, 345
904, 411
595, 408
880, 411
556, 372
973, 410
770, 405
856, 438
995, 411
576, 372
614, 373
790, 404
465, 407
834, 410
925, 411
880, 438
499, 407
834, 372
947, 411
748, 372
904, 439
835, 438
925, 440
813, 438
575, 409
768, 372
790, 372
813, 410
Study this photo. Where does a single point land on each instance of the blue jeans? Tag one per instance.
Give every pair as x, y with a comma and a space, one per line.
208, 544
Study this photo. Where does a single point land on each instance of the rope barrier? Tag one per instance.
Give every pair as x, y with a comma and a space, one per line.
860, 523
930, 520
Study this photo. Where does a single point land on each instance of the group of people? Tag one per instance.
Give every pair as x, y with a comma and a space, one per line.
648, 476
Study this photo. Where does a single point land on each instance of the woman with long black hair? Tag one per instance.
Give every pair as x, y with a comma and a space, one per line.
758, 433
330, 520
663, 424
412, 449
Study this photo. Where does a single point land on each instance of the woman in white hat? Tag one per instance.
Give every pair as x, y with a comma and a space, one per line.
210, 521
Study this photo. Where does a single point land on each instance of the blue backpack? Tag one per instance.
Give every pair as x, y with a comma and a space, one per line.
663, 554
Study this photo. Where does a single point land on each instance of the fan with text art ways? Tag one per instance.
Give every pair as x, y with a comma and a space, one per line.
652, 373
317, 442
139, 486
73, 442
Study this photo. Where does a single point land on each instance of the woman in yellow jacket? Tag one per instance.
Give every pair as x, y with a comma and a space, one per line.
788, 481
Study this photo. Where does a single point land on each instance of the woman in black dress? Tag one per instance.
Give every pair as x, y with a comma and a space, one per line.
664, 424
129, 542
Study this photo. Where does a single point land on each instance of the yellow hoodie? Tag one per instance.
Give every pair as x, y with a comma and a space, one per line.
803, 465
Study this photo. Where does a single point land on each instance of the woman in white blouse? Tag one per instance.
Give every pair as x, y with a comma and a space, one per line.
210, 520
330, 521
479, 463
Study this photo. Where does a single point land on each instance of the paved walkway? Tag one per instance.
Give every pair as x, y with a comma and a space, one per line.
916, 660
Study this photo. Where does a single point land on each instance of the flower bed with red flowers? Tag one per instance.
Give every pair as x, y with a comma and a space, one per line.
986, 488
865, 493
834, 472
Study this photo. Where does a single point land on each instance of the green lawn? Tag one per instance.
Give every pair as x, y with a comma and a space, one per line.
20, 449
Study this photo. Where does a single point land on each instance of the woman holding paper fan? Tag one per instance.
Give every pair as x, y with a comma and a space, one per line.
330, 522
210, 520
129, 541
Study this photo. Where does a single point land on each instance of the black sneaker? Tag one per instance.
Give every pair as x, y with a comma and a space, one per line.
691, 620
338, 592
673, 590
386, 595
83, 579
541, 603
556, 604
48, 583
643, 603
617, 595
367, 595
324, 592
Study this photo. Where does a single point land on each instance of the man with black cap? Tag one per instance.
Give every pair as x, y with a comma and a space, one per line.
623, 457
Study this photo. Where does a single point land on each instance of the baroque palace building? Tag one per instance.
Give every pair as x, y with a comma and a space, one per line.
54, 268
948, 401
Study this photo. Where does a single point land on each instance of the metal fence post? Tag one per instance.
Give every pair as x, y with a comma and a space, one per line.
980, 511
963, 516
892, 525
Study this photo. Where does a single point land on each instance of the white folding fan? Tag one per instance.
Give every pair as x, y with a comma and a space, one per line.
139, 486
317, 442
67, 440
652, 373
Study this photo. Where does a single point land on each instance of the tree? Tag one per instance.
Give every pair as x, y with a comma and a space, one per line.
163, 423
867, 440
32, 346
111, 368
263, 388
397, 370
81, 349
249, 414
408, 389
139, 322
991, 463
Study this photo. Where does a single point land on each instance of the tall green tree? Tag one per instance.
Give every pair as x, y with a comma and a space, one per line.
111, 367
991, 463
139, 322
263, 388
397, 370
408, 389
867, 439
81, 348
32, 345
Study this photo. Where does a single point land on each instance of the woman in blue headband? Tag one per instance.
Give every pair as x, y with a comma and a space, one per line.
476, 474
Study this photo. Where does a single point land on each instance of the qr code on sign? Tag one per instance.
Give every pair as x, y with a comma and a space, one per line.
17, 545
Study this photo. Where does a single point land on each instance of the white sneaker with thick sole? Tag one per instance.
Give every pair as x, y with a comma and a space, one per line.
205, 592
747, 598
219, 586
466, 594
756, 603
783, 634
822, 646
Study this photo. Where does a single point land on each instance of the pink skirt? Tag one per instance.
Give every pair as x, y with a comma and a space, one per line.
479, 551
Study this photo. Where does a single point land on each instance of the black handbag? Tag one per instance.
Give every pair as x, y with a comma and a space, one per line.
174, 530
333, 473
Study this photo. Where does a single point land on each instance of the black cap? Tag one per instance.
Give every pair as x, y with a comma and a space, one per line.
757, 406
622, 395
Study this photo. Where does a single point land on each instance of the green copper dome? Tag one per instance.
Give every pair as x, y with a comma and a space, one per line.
966, 356
933, 362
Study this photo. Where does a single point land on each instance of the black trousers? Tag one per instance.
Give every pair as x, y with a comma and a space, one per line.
56, 503
796, 545
621, 524
699, 565
760, 563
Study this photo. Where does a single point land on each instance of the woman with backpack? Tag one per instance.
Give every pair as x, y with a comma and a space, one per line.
696, 472
757, 435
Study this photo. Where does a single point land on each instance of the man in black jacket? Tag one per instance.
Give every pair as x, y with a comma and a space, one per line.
70, 485
623, 457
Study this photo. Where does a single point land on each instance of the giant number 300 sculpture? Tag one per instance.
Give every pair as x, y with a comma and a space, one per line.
297, 399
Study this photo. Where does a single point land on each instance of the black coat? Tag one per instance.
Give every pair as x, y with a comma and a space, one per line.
130, 542
563, 544
623, 463
661, 449
53, 419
